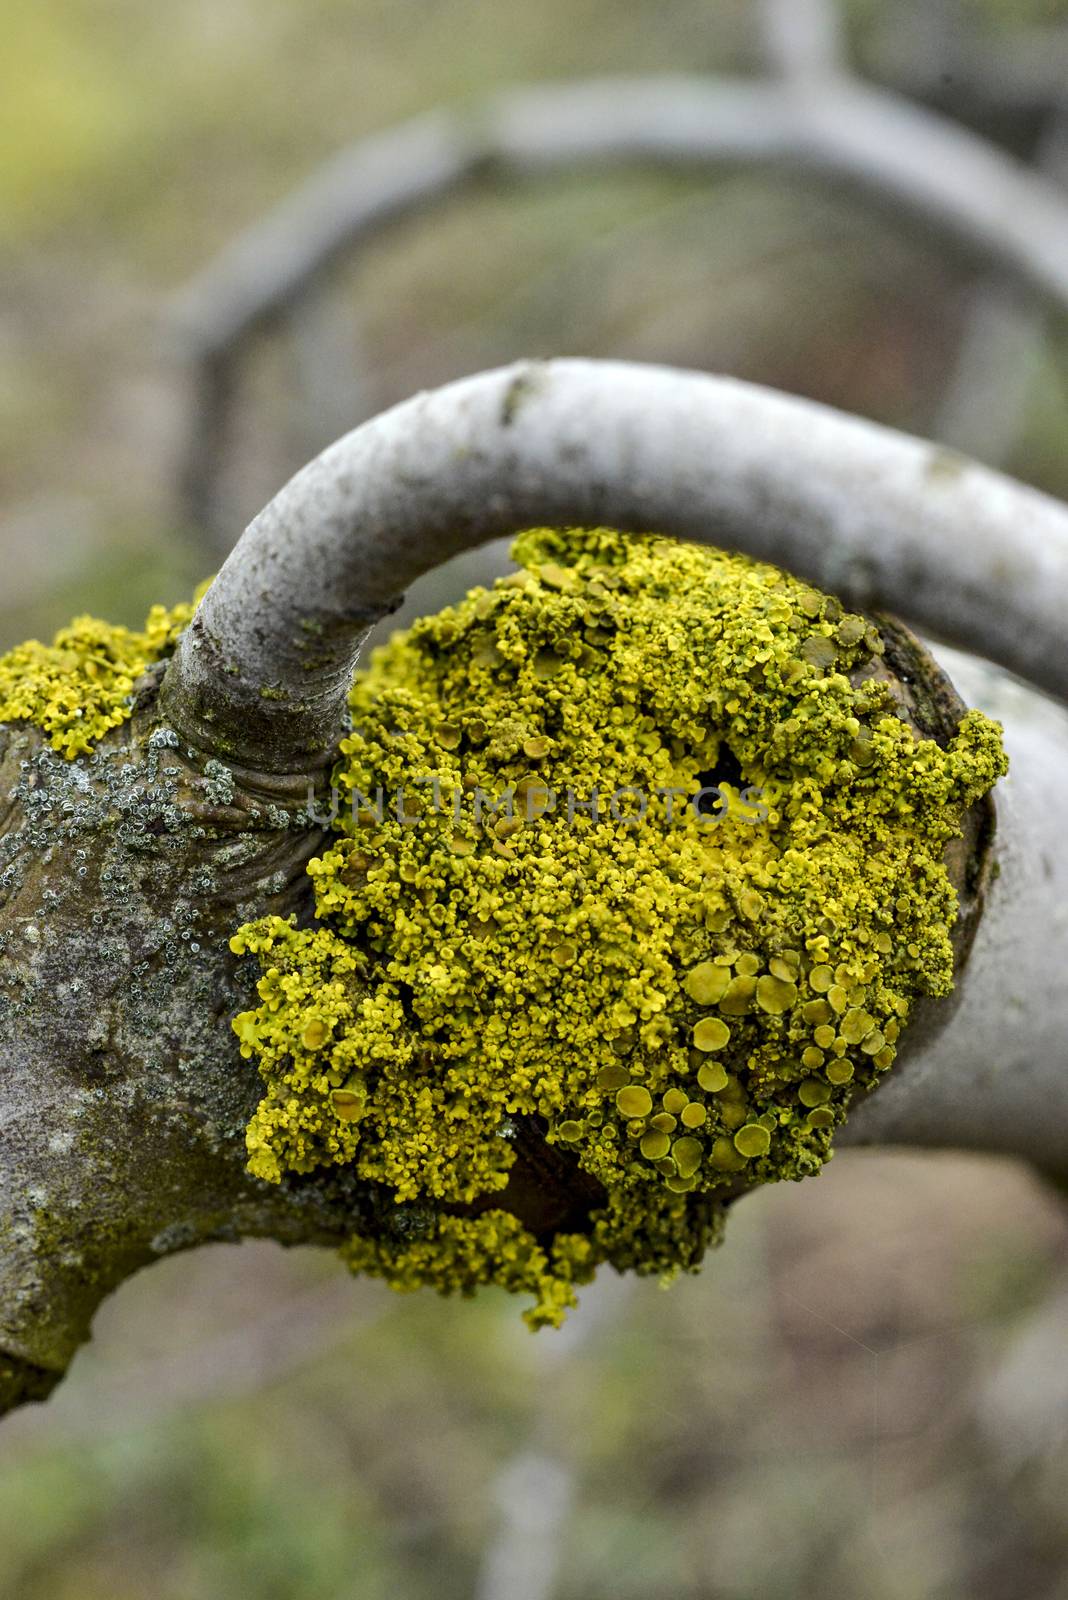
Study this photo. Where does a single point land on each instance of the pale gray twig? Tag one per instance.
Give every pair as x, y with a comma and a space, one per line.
803, 39
922, 164
535, 1490
888, 147
873, 515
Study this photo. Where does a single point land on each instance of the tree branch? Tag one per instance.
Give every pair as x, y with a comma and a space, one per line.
360, 191
124, 1105
879, 518
122, 1116
996, 1076
924, 164
983, 411
803, 39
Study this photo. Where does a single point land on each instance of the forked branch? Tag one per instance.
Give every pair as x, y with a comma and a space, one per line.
123, 1104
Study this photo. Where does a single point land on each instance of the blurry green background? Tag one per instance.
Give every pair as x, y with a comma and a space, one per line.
865, 1393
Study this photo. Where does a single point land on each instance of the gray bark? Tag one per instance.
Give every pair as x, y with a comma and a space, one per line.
880, 519
123, 1100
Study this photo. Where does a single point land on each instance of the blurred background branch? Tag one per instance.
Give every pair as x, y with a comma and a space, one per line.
983, 412
932, 171
804, 40
367, 1459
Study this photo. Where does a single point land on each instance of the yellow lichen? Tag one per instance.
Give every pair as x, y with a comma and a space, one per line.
80, 686
563, 948
457, 1255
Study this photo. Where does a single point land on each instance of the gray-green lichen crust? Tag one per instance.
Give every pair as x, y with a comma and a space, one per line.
685, 1003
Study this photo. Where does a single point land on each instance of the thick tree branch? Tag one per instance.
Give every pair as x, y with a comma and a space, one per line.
124, 1104
879, 518
121, 1113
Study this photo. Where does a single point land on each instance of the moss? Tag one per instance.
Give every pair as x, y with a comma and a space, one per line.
493, 943
81, 685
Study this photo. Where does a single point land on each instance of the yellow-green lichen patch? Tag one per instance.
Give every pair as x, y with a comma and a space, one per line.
457, 1255
713, 1078
80, 686
675, 996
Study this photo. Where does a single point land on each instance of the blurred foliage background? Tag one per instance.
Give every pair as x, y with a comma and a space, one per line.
865, 1393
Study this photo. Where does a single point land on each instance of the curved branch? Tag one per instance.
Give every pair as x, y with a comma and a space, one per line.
924, 164
877, 517
996, 1076
983, 411
123, 1109
353, 196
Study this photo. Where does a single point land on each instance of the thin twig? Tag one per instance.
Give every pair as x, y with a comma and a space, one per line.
920, 161
803, 39
983, 411
535, 1490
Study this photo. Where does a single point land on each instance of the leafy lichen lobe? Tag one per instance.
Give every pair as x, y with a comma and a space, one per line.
528, 918
80, 686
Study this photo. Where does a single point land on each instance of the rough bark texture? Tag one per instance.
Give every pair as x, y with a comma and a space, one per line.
124, 1104
124, 1101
